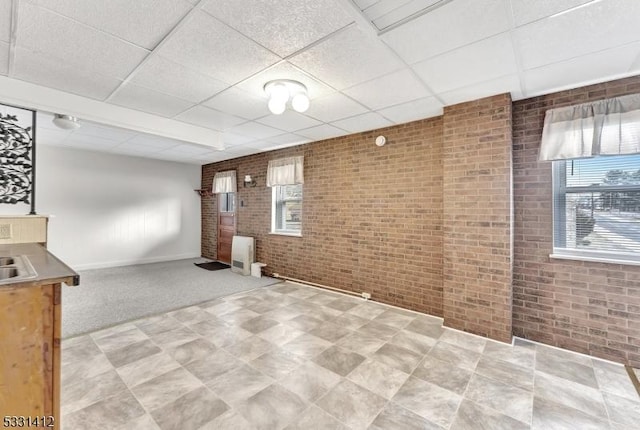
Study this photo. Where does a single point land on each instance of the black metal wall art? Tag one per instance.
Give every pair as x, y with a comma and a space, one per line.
17, 160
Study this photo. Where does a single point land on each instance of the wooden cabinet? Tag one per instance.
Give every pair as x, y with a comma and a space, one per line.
30, 350
30, 327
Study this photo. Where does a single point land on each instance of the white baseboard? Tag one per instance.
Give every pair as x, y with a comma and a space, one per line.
120, 263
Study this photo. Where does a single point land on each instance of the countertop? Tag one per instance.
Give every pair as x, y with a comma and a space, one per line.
49, 269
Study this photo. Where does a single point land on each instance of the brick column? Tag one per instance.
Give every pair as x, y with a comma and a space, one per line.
478, 216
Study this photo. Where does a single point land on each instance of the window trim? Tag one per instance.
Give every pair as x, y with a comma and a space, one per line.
273, 231
560, 252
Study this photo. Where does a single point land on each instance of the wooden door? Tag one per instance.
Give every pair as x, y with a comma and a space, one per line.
226, 225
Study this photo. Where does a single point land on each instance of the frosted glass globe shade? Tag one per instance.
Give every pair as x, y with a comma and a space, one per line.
276, 106
300, 102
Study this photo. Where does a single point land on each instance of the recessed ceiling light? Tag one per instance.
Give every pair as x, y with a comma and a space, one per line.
280, 91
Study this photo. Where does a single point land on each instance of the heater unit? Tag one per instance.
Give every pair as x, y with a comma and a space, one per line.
243, 253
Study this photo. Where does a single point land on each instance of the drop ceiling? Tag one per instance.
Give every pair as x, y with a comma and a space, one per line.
367, 63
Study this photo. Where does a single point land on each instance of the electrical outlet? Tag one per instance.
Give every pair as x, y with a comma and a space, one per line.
366, 296
5, 231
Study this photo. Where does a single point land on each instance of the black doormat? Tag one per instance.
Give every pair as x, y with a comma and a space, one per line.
213, 265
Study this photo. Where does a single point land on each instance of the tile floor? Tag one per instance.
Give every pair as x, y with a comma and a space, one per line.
296, 357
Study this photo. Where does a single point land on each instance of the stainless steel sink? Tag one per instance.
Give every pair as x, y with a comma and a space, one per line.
15, 268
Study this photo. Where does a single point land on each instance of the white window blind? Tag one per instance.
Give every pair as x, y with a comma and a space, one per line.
604, 127
597, 208
225, 182
285, 171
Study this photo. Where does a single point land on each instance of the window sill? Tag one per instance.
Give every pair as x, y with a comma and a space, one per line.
595, 259
284, 233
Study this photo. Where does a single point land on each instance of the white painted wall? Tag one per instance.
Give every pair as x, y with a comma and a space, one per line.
114, 210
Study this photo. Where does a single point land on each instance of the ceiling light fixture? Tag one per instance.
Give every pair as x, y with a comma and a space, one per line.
280, 91
66, 122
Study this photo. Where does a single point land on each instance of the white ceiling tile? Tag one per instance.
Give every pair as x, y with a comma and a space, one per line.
213, 157
90, 142
455, 24
46, 136
42, 69
324, 131
163, 75
142, 22
504, 84
97, 130
284, 70
347, 58
209, 118
5, 21
333, 107
363, 4
525, 11
4, 58
75, 44
209, 46
289, 120
478, 62
146, 100
192, 149
255, 130
283, 26
130, 148
395, 88
592, 28
241, 151
412, 111
285, 139
153, 141
581, 71
364, 122
231, 139
240, 103
389, 16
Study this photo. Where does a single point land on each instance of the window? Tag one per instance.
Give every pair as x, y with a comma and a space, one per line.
286, 210
596, 208
227, 202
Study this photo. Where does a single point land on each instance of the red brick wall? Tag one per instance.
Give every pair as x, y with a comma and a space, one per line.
587, 307
477, 217
371, 216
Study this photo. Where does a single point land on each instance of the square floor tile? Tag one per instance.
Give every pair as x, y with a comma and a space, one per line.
277, 363
572, 394
306, 345
272, 408
316, 418
190, 411
352, 404
216, 364
86, 392
455, 355
394, 319
378, 378
339, 360
250, 348
400, 358
129, 354
551, 415
473, 415
280, 334
330, 332
310, 381
413, 341
258, 324
429, 401
360, 343
192, 351
239, 384
111, 412
504, 398
165, 388
393, 416
503, 371
443, 374
147, 368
